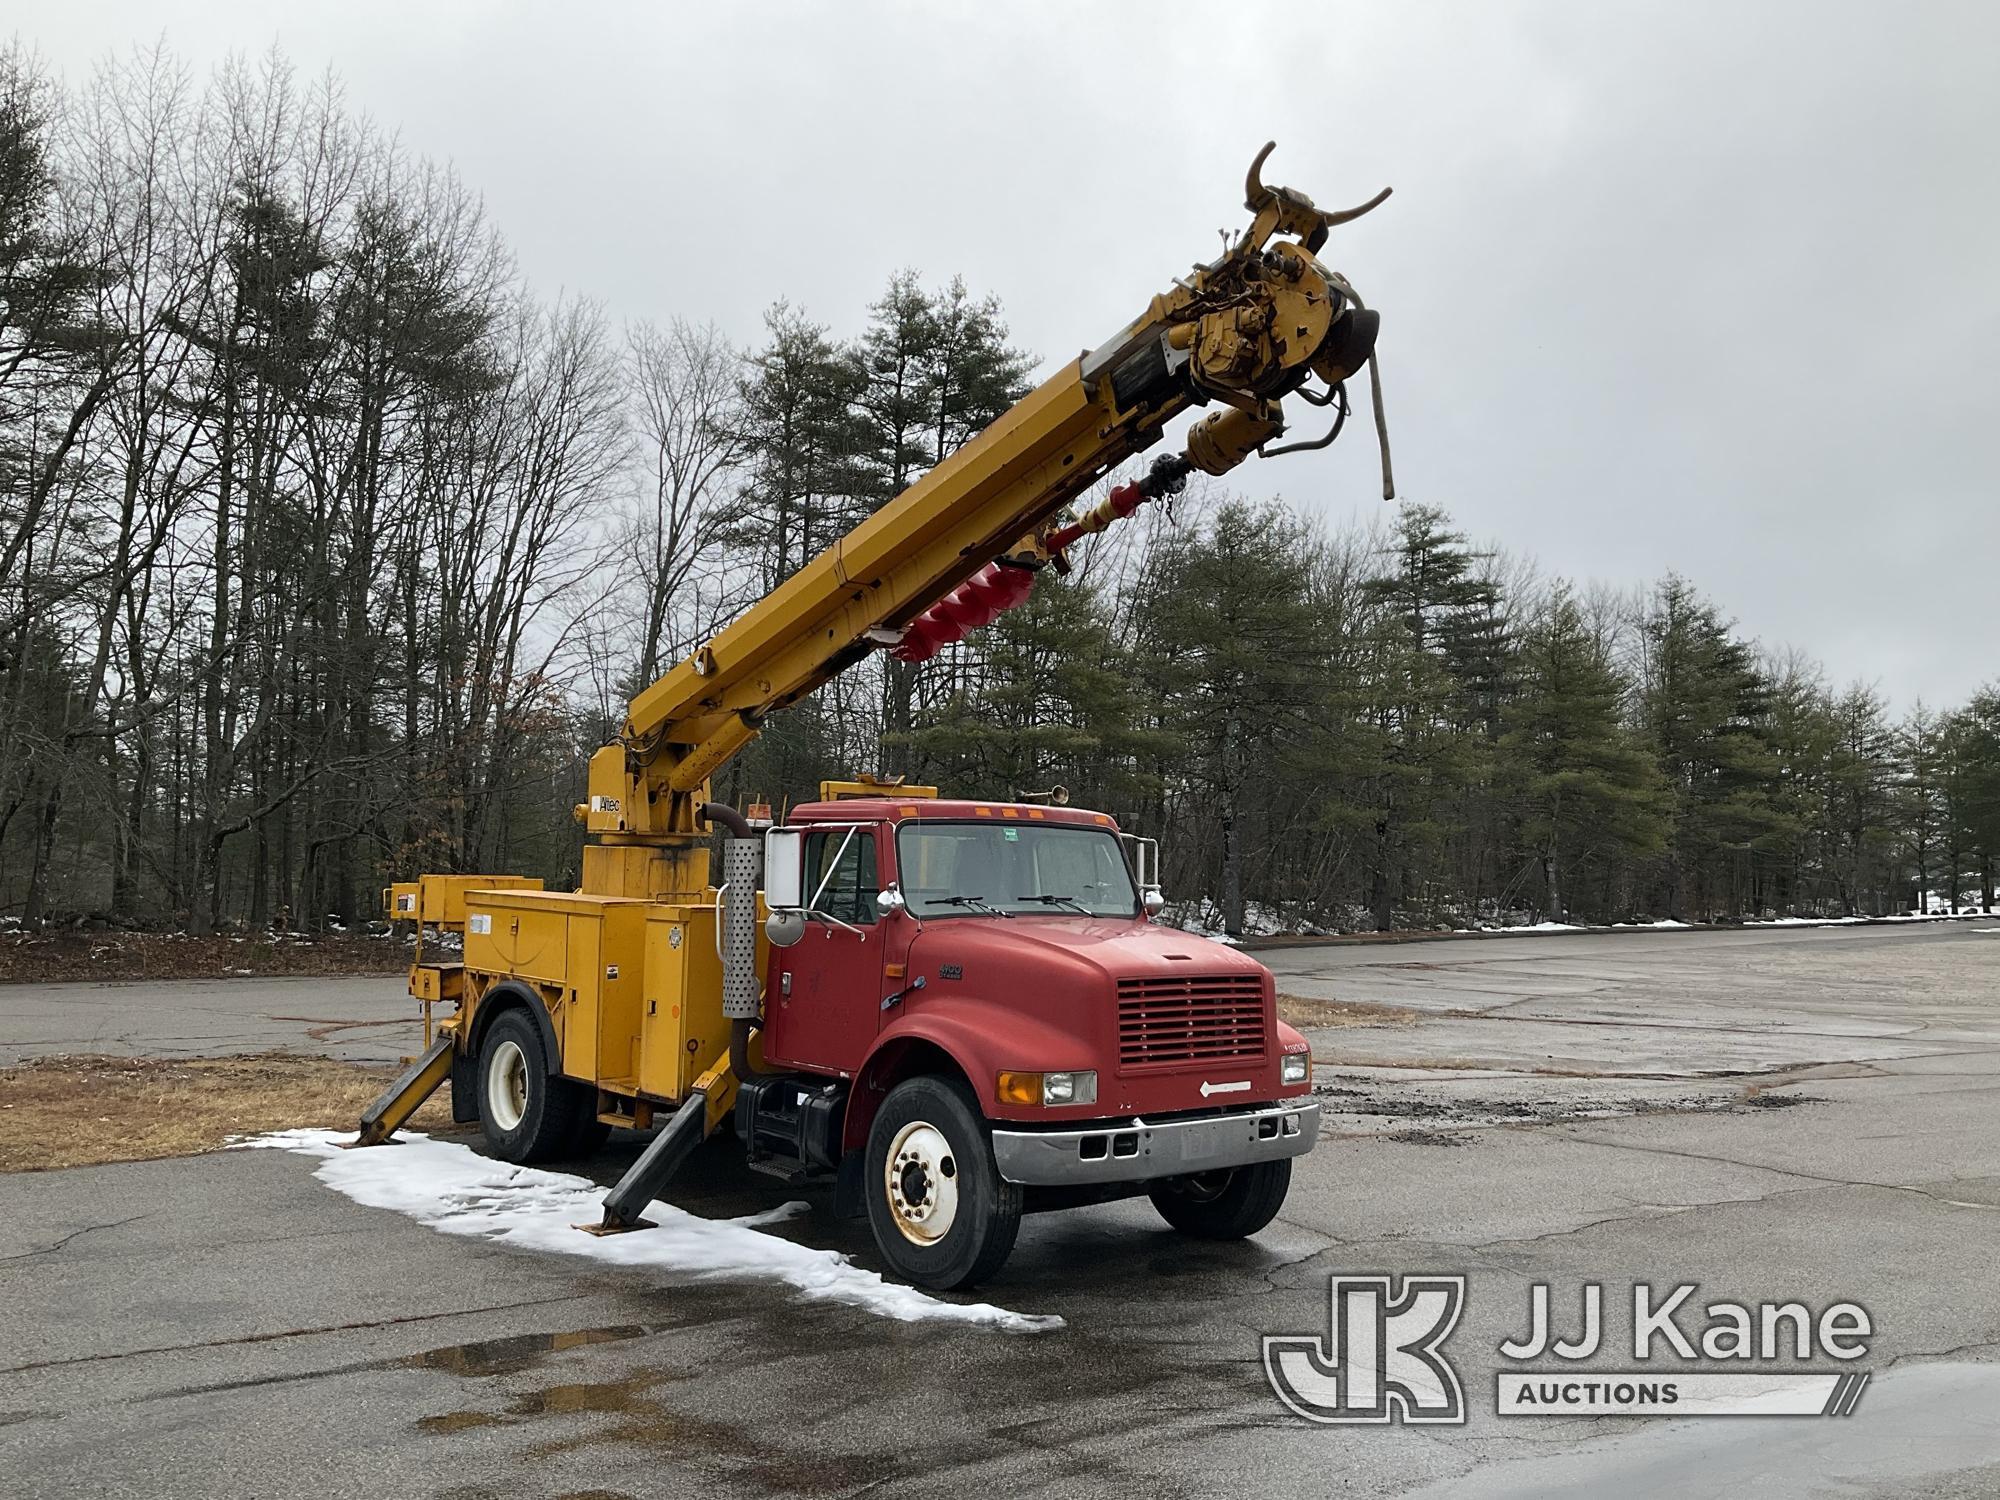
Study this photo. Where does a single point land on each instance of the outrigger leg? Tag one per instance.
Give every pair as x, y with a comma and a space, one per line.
704, 1108
401, 1099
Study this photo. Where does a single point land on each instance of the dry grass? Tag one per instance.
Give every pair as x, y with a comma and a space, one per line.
86, 1110
1297, 1010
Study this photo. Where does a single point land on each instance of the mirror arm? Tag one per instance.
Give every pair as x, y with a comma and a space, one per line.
829, 917
832, 865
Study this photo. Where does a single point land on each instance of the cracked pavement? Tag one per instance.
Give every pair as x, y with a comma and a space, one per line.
1801, 1114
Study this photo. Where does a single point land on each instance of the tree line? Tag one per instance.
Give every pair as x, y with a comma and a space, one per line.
329, 549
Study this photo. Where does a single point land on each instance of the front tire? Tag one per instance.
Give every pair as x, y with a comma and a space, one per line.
1227, 1205
943, 1216
526, 1111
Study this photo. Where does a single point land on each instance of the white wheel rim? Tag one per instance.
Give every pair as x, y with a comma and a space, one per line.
921, 1181
507, 1085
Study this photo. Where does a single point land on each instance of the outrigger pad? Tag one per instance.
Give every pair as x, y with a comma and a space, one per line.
657, 1164
609, 1228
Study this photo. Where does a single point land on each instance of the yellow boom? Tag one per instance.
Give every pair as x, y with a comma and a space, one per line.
1244, 330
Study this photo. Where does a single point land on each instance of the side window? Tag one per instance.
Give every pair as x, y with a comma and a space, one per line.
850, 894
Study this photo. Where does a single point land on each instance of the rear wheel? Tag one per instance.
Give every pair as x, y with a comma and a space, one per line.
1227, 1205
526, 1111
943, 1216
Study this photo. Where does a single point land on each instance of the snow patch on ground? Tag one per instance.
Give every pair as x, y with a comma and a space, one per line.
1203, 918
457, 1191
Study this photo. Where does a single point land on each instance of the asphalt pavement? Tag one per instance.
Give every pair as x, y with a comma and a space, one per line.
1802, 1114
366, 1020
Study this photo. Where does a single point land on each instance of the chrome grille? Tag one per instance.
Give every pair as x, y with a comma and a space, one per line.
1174, 1020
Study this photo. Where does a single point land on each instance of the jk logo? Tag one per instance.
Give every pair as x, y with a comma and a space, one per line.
1383, 1361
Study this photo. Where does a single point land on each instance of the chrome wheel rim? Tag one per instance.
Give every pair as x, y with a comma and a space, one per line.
507, 1085
921, 1182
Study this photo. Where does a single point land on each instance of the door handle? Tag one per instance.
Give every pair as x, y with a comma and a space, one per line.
909, 989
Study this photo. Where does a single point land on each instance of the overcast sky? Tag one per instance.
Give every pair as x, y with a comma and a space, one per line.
1704, 287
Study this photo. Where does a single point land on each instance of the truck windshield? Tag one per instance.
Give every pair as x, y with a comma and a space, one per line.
955, 869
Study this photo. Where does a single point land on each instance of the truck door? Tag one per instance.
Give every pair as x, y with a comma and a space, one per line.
824, 1000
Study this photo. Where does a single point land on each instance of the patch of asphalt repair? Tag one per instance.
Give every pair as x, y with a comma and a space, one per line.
1359, 1105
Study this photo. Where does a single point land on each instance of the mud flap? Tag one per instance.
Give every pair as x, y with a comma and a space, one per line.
849, 1201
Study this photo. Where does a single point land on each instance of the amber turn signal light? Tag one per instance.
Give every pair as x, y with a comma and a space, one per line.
1019, 1088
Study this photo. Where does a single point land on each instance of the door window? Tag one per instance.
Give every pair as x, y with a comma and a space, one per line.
850, 894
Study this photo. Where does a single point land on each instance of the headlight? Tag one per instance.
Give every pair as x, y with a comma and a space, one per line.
1069, 1088
1047, 1088
1296, 1067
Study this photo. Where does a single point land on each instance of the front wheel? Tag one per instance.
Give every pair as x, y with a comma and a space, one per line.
1228, 1205
943, 1216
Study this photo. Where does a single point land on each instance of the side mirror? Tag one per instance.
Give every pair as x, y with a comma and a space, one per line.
1154, 900
785, 928
785, 870
889, 900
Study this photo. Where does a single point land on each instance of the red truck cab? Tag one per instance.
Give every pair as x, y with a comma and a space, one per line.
977, 1015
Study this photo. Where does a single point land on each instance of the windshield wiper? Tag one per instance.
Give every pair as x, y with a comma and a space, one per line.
975, 903
1070, 901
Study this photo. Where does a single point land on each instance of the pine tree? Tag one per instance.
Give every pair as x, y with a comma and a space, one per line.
1859, 807
1580, 787
810, 481
891, 397
1232, 655
1969, 794
934, 371
1917, 812
973, 376
1799, 728
1707, 709
1425, 708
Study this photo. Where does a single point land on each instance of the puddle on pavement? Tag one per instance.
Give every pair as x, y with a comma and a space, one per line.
624, 1397
457, 1421
638, 1417
517, 1352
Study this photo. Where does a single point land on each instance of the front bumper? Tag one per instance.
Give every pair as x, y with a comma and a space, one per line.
1138, 1151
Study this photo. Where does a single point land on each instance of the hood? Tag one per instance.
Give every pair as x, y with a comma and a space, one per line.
1110, 947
